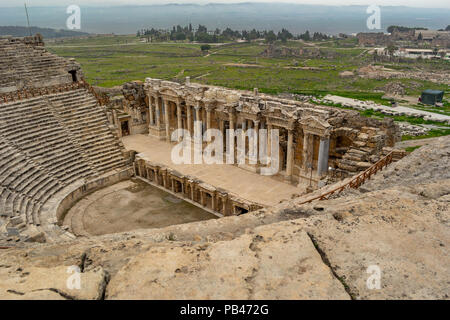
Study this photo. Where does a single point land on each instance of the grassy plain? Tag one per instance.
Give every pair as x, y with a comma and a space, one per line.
112, 60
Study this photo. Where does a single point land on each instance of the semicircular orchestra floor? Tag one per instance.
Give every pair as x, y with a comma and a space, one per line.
129, 205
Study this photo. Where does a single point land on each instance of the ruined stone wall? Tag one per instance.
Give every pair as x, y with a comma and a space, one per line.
135, 104
373, 39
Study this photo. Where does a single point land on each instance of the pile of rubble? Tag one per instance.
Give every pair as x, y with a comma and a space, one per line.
395, 88
408, 129
380, 72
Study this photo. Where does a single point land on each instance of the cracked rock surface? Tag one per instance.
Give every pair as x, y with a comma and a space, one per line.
50, 283
273, 262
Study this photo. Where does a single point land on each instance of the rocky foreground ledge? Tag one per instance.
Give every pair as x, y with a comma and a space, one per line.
398, 222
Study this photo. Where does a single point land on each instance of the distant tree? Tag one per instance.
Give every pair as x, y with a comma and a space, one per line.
420, 37
205, 47
253, 35
180, 36
284, 35
391, 49
442, 54
391, 29
245, 35
448, 28
307, 37
202, 29
270, 37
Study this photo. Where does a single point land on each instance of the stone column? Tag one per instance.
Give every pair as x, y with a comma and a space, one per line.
202, 202
305, 150
158, 113
230, 145
290, 154
179, 120
150, 110
197, 113
166, 119
156, 177
269, 140
213, 202
322, 165
192, 192
208, 121
243, 139
222, 126
224, 206
222, 130
256, 136
189, 119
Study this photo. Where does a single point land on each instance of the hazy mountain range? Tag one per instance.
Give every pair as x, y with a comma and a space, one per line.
263, 16
45, 32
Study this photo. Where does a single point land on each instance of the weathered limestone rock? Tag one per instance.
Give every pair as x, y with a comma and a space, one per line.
49, 283
273, 262
404, 234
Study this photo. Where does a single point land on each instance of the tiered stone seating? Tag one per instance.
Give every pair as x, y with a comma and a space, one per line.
27, 65
31, 126
24, 187
88, 123
49, 143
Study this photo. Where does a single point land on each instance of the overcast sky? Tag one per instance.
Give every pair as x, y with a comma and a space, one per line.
410, 3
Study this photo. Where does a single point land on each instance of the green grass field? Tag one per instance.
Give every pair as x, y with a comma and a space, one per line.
111, 61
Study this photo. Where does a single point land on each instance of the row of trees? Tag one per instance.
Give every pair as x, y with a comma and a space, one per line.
390, 29
202, 34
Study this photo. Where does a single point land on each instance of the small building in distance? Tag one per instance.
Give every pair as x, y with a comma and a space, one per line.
431, 97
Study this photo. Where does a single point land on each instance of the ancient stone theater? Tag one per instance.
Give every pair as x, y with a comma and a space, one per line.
63, 141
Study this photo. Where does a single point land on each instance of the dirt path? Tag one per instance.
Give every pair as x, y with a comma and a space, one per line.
413, 143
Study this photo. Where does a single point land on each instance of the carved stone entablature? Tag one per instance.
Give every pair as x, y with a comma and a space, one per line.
280, 116
320, 114
193, 98
313, 125
170, 94
152, 84
248, 107
210, 105
225, 108
194, 89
